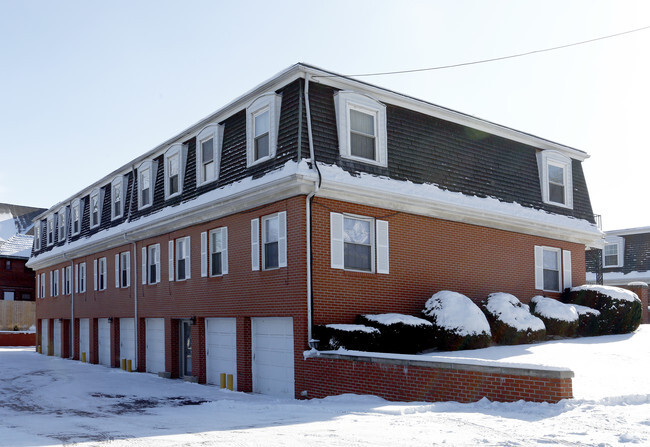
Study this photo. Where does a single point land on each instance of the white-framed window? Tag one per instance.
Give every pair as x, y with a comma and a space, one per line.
208, 153
174, 169
183, 258
613, 252
214, 252
54, 290
552, 269
100, 268
262, 121
123, 270
117, 197
63, 223
274, 241
42, 285
67, 280
50, 230
95, 208
361, 124
145, 184
151, 264
556, 179
75, 217
37, 236
359, 243
81, 278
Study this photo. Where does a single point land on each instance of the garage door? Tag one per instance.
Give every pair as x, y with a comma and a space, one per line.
57, 337
273, 356
45, 341
84, 338
127, 340
220, 349
155, 336
104, 341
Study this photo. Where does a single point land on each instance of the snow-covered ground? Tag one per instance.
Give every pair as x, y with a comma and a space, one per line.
50, 401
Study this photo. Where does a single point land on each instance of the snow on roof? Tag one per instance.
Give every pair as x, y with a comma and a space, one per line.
456, 312
391, 318
620, 276
18, 246
352, 328
16, 219
513, 312
551, 308
614, 292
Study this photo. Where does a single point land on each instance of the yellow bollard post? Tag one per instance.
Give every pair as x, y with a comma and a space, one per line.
222, 380
83, 357
123, 364
230, 380
128, 366
38, 349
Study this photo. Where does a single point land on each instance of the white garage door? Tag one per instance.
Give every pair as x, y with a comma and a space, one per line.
220, 349
155, 335
84, 338
273, 356
44, 337
104, 341
57, 337
127, 340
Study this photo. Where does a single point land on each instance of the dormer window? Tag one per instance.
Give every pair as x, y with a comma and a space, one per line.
208, 153
75, 217
145, 184
117, 198
361, 123
50, 230
63, 222
613, 252
174, 168
555, 178
262, 121
95, 208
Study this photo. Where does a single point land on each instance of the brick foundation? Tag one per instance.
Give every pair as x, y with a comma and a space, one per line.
417, 380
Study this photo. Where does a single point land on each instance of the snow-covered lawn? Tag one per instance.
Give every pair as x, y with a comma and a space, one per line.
50, 401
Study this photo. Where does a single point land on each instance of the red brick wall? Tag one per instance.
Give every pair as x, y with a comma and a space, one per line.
398, 382
17, 339
18, 278
426, 255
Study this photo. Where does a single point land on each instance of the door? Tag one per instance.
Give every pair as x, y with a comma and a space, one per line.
220, 349
104, 341
84, 339
127, 340
273, 362
185, 348
45, 339
57, 337
155, 348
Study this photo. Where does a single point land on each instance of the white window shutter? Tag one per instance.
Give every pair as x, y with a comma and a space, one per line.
157, 262
76, 278
171, 260
117, 271
336, 242
382, 247
95, 274
255, 244
204, 254
282, 239
224, 250
188, 261
566, 268
144, 265
539, 268
621, 253
51, 282
128, 269
38, 286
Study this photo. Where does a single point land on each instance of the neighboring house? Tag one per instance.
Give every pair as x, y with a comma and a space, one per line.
625, 258
308, 200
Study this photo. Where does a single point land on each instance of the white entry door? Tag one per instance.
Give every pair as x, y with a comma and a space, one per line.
57, 337
220, 349
45, 341
273, 362
155, 336
127, 340
104, 341
84, 338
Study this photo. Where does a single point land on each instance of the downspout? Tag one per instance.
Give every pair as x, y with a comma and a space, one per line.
308, 207
135, 274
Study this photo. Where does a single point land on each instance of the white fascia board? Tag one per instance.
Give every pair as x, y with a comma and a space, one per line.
620, 278
628, 231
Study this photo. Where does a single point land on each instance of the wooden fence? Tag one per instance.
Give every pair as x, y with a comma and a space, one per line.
19, 315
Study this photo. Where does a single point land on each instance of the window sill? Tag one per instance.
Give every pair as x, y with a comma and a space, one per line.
260, 160
364, 160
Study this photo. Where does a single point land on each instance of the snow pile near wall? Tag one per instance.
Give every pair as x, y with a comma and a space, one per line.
511, 321
551, 308
614, 292
456, 312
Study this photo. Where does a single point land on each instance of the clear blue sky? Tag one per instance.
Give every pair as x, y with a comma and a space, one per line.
87, 86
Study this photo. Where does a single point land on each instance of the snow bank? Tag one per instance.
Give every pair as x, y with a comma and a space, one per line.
391, 318
512, 312
614, 292
456, 312
551, 308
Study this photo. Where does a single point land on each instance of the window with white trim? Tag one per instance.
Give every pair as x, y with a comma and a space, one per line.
117, 197
361, 123
42, 285
82, 277
274, 241
75, 217
153, 265
183, 258
218, 251
613, 252
100, 273
208, 153
67, 280
55, 283
50, 230
124, 269
145, 184
63, 223
556, 179
262, 121
37, 236
552, 269
95, 208
174, 170
359, 243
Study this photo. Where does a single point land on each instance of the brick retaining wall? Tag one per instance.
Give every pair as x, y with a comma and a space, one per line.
417, 380
17, 338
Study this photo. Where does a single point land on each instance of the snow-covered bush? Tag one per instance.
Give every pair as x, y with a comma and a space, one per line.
620, 309
511, 321
559, 318
403, 334
588, 319
458, 322
354, 337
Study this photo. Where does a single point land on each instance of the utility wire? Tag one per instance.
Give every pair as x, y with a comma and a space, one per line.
497, 58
